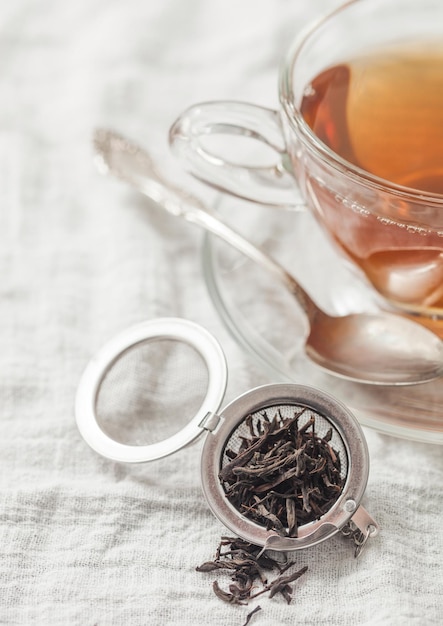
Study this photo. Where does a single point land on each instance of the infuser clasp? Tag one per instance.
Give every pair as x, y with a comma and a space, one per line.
360, 528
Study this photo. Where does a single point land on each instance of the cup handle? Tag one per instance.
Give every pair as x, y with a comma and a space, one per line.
273, 185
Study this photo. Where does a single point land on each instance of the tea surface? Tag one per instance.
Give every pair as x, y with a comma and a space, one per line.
384, 113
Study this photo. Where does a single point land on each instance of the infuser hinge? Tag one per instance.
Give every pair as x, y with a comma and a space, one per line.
210, 421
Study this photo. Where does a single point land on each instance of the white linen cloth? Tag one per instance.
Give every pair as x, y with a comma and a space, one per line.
86, 541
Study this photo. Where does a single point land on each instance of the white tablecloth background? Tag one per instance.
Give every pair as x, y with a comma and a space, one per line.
86, 541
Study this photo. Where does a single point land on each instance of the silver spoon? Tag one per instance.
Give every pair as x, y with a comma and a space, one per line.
381, 348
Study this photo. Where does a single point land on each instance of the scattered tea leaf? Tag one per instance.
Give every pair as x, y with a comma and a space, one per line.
251, 614
247, 565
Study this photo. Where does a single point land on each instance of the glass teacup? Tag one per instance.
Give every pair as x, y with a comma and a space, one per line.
359, 140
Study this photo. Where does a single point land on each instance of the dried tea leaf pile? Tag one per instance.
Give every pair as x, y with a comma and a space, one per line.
247, 566
282, 474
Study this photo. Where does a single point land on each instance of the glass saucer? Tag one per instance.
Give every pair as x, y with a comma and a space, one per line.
268, 324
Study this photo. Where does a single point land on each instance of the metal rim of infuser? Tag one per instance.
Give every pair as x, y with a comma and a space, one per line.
220, 428
158, 329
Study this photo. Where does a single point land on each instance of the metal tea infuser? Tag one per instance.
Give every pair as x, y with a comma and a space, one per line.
226, 427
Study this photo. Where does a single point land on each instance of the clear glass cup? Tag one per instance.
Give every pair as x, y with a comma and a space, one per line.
391, 230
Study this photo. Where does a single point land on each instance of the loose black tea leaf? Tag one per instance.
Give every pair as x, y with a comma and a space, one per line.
251, 614
225, 596
247, 565
280, 473
281, 584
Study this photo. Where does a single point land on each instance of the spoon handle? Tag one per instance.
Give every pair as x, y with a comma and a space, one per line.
216, 226
117, 155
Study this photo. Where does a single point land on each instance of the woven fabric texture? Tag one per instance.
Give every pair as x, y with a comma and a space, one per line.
85, 541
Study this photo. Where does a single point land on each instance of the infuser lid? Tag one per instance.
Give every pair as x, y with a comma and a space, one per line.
176, 329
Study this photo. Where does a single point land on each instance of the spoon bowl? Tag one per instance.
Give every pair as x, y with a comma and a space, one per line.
374, 348
382, 348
